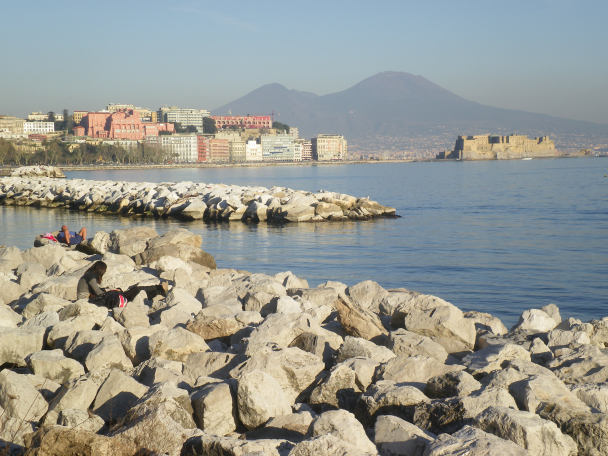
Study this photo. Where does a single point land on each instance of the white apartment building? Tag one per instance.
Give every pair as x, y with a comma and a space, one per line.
306, 150
253, 151
185, 117
280, 148
182, 147
293, 131
329, 148
42, 116
38, 128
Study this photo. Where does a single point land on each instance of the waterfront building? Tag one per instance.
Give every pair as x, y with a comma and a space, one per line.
12, 124
181, 147
329, 148
223, 122
184, 117
38, 128
253, 151
43, 116
294, 132
122, 124
495, 147
78, 115
237, 151
203, 147
219, 150
306, 150
280, 148
146, 115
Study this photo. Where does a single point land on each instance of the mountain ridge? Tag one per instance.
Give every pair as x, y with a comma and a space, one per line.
395, 104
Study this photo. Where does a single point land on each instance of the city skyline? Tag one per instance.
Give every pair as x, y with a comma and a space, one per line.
540, 56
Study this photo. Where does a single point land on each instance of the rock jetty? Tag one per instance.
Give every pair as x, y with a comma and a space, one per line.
189, 200
238, 363
37, 171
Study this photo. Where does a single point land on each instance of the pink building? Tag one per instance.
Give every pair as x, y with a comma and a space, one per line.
122, 124
222, 122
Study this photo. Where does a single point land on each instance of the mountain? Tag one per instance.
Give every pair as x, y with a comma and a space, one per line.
396, 104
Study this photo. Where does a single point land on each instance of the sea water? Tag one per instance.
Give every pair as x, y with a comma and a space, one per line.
493, 236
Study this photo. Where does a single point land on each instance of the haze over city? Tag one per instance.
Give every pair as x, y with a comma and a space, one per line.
540, 56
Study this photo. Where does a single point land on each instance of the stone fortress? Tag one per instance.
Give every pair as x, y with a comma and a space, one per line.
493, 147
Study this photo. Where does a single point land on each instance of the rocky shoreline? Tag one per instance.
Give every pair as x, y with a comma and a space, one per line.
189, 200
237, 363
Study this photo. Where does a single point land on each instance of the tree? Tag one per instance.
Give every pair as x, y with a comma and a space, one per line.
280, 126
191, 129
209, 126
51, 116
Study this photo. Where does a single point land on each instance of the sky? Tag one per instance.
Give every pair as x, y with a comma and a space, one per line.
544, 56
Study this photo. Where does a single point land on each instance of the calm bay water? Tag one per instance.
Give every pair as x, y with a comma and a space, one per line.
499, 237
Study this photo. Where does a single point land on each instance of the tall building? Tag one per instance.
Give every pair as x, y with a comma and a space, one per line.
181, 147
12, 124
38, 128
280, 148
253, 151
123, 124
203, 147
293, 131
223, 122
219, 150
184, 117
329, 148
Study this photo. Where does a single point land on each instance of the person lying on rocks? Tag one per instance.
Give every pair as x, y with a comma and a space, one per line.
89, 288
68, 237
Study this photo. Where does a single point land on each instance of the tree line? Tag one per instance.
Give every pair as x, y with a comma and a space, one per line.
57, 152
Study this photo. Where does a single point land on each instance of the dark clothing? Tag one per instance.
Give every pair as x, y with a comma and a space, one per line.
87, 285
151, 292
75, 238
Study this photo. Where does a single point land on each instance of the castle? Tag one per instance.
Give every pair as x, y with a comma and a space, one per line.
493, 147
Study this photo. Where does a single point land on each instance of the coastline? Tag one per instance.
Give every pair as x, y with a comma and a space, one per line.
249, 362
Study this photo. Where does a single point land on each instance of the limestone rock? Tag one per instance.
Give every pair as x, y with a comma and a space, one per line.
182, 251
12, 256
358, 321
131, 241
63, 441
86, 309
46, 255
416, 370
43, 302
562, 339
478, 401
215, 409
339, 390
320, 296
368, 294
405, 344
493, 357
79, 344
397, 437
118, 393
294, 369
533, 393
452, 384
136, 342
108, 354
11, 291
9, 318
230, 446
473, 442
81, 419
53, 365
584, 364
539, 352
389, 398
76, 394
327, 445
16, 344
535, 319
260, 397
214, 327
356, 347
343, 425
595, 395
211, 364
538, 436
176, 344
19, 398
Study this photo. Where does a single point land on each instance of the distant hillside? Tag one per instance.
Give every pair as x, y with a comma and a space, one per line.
395, 104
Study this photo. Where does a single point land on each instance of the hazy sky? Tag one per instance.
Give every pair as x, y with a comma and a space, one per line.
546, 56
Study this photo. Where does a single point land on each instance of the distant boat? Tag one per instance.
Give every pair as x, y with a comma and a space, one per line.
527, 158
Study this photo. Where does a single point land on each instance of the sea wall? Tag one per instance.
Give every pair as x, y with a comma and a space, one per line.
190, 200
234, 362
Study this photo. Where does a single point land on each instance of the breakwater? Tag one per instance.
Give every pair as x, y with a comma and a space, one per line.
189, 200
236, 362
